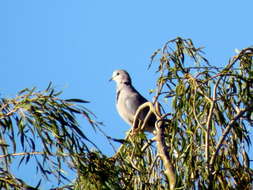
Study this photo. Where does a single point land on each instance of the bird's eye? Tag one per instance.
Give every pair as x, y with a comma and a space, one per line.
117, 74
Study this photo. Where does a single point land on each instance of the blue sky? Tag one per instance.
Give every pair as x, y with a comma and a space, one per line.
77, 44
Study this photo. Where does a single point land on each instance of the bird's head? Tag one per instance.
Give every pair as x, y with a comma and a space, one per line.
121, 77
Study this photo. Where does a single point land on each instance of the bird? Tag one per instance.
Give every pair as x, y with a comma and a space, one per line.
128, 100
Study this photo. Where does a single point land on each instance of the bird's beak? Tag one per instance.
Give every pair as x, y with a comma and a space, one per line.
110, 79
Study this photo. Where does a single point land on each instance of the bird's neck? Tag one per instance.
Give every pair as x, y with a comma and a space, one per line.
122, 84
126, 83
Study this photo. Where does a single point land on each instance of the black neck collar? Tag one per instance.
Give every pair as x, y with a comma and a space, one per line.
127, 83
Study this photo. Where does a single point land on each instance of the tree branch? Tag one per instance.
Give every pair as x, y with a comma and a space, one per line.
139, 125
208, 124
163, 153
30, 153
21, 154
226, 131
161, 145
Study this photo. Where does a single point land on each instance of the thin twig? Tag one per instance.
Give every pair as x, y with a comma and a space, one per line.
122, 145
194, 111
21, 154
208, 124
149, 142
153, 165
226, 131
33, 153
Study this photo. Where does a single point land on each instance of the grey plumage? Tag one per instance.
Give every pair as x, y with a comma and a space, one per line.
128, 99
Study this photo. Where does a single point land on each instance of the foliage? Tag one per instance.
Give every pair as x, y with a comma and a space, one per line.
206, 112
134, 167
44, 128
210, 118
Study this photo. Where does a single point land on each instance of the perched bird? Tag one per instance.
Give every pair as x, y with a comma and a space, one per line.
128, 99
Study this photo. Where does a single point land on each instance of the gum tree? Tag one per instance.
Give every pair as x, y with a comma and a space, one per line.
202, 141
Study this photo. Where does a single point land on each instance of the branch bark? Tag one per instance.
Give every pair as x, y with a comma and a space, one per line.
161, 145
163, 153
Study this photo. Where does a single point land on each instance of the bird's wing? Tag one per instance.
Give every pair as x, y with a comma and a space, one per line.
133, 101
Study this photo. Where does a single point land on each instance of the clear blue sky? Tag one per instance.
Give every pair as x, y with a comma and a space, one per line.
77, 44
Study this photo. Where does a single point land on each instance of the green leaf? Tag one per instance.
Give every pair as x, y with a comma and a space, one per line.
76, 100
